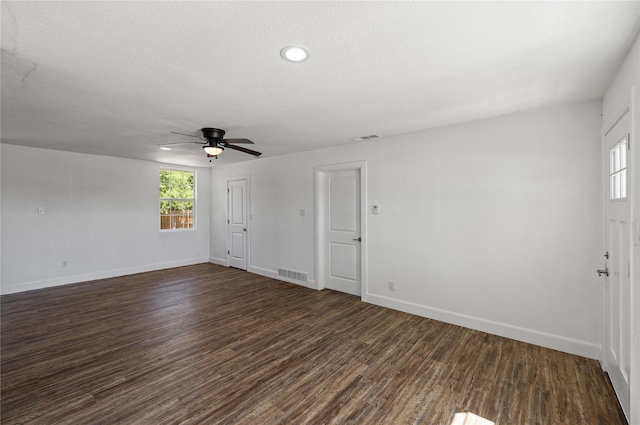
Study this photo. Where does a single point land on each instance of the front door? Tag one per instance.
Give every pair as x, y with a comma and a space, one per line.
342, 236
237, 223
617, 327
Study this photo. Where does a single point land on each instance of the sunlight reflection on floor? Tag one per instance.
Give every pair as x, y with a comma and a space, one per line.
468, 418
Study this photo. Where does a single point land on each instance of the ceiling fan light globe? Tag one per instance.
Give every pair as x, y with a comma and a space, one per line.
213, 150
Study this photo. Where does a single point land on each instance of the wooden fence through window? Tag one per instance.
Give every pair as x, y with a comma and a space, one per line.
177, 220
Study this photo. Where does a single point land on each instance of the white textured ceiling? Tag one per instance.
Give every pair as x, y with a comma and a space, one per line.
114, 78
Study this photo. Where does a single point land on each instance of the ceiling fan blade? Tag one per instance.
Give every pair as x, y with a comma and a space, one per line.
179, 143
241, 149
183, 134
238, 141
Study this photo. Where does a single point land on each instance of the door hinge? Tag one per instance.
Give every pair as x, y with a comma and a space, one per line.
606, 255
228, 252
228, 221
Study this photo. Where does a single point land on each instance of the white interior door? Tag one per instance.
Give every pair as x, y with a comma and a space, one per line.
342, 236
237, 223
617, 327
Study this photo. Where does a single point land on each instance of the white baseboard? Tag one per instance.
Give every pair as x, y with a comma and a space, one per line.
554, 342
219, 261
263, 272
85, 277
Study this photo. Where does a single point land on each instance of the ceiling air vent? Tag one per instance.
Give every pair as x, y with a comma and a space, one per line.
371, 136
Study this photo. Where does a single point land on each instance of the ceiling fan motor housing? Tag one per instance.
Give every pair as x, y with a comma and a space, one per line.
213, 133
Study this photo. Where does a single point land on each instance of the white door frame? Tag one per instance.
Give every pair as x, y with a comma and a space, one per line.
634, 111
631, 107
320, 188
247, 178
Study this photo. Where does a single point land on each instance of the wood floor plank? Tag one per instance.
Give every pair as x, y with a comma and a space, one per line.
206, 344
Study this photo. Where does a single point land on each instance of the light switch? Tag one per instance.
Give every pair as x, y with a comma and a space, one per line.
375, 208
40, 210
303, 212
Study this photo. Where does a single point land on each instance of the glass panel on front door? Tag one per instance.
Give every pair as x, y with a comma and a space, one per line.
618, 171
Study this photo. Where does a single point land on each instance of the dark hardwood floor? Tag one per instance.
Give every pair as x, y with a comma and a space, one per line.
207, 344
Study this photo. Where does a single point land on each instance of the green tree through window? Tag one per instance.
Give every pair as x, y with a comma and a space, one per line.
177, 199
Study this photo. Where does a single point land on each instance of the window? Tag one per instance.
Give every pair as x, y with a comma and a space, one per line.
177, 199
618, 171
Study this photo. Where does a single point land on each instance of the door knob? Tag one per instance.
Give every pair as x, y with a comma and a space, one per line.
603, 272
358, 239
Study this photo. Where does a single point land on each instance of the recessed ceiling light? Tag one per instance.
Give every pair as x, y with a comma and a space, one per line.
295, 53
164, 148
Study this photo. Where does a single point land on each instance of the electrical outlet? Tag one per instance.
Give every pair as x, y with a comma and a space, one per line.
65, 264
392, 286
40, 210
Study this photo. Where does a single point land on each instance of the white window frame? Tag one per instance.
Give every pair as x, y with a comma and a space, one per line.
192, 200
618, 176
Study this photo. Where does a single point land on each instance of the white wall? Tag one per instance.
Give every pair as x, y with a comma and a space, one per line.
618, 92
618, 97
101, 215
493, 225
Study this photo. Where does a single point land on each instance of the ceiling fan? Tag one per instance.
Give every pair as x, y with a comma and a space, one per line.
215, 143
